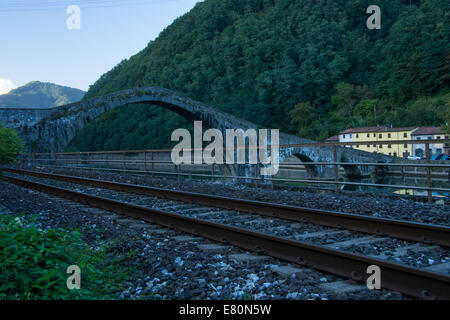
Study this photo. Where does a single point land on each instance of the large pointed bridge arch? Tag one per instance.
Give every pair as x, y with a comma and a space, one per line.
51, 130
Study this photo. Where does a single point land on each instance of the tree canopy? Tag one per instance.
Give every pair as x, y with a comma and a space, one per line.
10, 145
269, 60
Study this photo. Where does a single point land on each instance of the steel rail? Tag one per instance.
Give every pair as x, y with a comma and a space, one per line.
410, 281
427, 233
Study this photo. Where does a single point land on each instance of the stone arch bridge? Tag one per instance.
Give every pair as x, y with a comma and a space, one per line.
52, 130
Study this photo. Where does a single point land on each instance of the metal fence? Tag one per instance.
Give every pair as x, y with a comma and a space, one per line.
158, 163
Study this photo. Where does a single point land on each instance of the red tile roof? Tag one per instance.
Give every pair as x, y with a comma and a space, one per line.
362, 129
333, 138
398, 129
428, 130
377, 129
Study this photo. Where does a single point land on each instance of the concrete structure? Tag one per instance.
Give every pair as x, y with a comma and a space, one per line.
52, 130
430, 133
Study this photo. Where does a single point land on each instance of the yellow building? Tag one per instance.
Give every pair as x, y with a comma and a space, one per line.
380, 134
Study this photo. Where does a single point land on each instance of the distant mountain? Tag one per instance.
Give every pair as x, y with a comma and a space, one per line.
37, 95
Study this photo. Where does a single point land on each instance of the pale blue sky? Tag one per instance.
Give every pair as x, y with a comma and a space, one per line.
37, 45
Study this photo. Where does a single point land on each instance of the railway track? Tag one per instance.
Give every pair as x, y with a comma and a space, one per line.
175, 213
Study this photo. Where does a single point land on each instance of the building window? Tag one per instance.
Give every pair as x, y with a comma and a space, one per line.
374, 135
389, 135
405, 146
429, 138
374, 145
357, 135
438, 137
343, 136
368, 146
389, 146
418, 138
405, 135
395, 154
357, 145
381, 135
390, 153
381, 146
368, 135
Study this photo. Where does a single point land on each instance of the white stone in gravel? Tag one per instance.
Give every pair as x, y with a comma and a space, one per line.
293, 295
165, 272
179, 262
253, 277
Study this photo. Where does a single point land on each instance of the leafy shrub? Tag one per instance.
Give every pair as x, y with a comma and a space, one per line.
10, 145
33, 263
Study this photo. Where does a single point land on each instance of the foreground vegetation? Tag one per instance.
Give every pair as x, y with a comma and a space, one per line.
34, 262
10, 145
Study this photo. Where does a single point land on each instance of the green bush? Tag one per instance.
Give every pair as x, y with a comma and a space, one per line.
10, 145
34, 262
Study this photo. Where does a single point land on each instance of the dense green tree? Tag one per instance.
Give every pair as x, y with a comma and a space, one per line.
10, 145
305, 118
257, 59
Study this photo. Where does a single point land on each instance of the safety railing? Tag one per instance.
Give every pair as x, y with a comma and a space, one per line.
158, 162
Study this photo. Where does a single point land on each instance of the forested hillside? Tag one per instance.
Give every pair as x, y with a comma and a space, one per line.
305, 66
37, 94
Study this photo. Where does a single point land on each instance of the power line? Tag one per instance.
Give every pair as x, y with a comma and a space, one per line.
48, 6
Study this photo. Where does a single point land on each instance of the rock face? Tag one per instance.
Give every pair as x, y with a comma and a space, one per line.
51, 130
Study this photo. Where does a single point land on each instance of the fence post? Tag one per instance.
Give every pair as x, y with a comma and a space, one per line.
153, 167
427, 151
256, 175
124, 164
145, 162
336, 170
